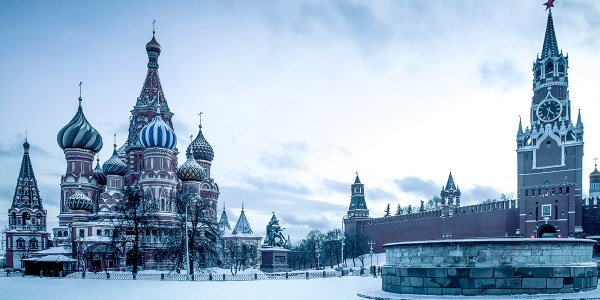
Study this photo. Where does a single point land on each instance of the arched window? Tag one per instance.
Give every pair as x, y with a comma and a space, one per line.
33, 244
59, 234
26, 217
561, 67
549, 68
20, 243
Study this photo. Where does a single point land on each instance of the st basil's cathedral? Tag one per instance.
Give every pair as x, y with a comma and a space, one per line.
89, 194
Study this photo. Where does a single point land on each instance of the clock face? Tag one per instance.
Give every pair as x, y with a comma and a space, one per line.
549, 110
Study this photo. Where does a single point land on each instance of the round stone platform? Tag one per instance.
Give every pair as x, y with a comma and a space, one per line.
504, 266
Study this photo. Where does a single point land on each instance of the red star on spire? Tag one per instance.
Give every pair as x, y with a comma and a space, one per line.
549, 4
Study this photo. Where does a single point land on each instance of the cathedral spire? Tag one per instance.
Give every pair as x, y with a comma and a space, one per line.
242, 226
550, 48
27, 194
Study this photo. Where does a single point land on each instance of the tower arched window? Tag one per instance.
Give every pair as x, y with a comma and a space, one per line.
549, 68
20, 243
538, 73
561, 67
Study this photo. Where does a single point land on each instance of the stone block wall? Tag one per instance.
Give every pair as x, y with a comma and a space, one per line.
489, 280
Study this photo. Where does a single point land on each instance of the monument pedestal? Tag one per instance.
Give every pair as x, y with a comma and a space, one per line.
274, 259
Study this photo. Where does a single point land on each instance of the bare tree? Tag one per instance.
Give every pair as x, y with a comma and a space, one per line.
134, 214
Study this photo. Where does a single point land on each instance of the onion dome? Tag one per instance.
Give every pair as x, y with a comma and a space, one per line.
200, 148
79, 134
158, 134
595, 173
114, 165
79, 201
190, 170
99, 174
153, 45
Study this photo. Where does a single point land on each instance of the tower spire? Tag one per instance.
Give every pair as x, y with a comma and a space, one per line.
520, 130
579, 123
550, 48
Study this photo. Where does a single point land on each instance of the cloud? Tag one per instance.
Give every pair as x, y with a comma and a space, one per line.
501, 74
335, 186
417, 186
287, 156
478, 194
379, 194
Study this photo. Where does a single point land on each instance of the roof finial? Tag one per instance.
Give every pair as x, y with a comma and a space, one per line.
80, 98
115, 141
596, 163
242, 206
200, 124
25, 136
223, 206
153, 27
549, 4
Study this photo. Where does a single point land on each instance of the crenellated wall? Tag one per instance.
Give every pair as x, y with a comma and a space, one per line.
496, 219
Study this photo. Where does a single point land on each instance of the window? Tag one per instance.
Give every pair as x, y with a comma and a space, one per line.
81, 233
33, 244
20, 243
59, 234
98, 232
549, 68
526, 193
546, 210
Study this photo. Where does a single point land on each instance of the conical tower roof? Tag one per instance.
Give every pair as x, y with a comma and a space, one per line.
450, 185
242, 226
27, 194
550, 48
224, 222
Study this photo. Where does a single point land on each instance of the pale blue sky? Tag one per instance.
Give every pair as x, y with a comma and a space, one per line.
298, 95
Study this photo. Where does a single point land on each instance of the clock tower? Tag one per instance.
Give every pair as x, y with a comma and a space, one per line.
550, 151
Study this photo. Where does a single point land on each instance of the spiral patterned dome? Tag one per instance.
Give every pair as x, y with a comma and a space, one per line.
114, 165
190, 170
158, 134
79, 134
200, 148
99, 174
153, 45
79, 201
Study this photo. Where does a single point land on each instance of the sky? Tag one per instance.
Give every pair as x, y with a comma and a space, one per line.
297, 96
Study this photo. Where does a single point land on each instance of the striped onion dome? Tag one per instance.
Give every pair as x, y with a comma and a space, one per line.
190, 170
79, 134
158, 134
99, 174
200, 148
79, 201
114, 165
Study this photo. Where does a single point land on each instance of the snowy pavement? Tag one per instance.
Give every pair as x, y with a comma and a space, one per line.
50, 288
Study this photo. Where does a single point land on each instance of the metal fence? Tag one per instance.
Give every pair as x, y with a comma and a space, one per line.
208, 277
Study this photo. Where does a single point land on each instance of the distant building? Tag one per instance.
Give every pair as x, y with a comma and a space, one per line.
239, 243
549, 175
26, 233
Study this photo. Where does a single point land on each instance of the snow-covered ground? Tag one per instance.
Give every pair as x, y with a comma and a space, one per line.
50, 288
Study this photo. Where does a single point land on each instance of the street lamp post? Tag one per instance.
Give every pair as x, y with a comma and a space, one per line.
187, 242
343, 243
371, 243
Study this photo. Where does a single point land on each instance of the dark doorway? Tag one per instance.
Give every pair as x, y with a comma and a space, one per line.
547, 231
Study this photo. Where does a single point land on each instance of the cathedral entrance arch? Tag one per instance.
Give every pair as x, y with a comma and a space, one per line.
546, 231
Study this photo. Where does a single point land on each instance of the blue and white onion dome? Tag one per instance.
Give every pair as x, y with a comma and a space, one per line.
99, 174
158, 134
79, 134
79, 201
190, 170
114, 165
200, 147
